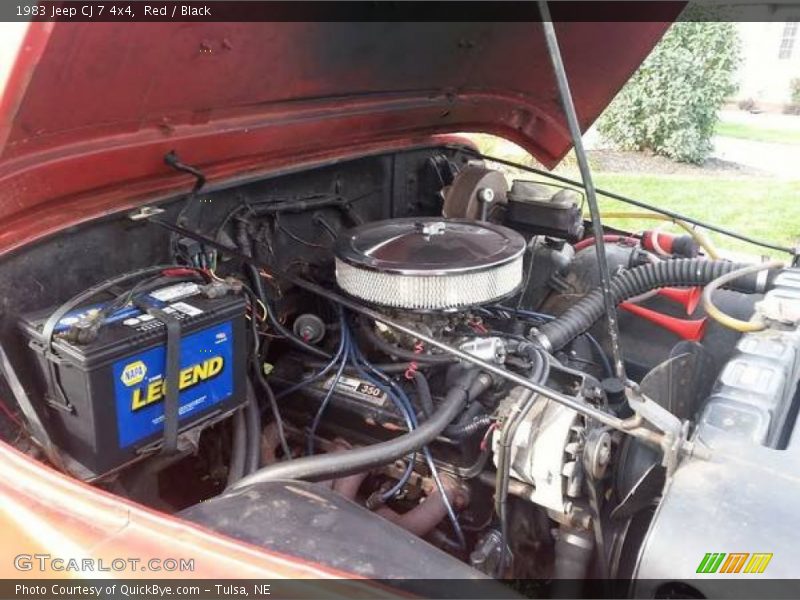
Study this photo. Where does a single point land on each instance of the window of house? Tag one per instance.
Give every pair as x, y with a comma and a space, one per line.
787, 40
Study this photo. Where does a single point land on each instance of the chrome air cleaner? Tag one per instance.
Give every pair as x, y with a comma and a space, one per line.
429, 264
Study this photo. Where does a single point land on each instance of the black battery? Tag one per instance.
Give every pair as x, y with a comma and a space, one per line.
105, 399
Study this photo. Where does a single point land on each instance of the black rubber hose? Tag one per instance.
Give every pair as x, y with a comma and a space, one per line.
385, 367
402, 353
478, 386
236, 469
424, 394
258, 365
273, 404
472, 419
631, 283
461, 431
252, 417
358, 460
473, 411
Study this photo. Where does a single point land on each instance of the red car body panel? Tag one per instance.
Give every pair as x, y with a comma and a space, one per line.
90, 109
44, 512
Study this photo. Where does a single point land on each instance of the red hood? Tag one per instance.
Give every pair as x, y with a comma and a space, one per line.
92, 106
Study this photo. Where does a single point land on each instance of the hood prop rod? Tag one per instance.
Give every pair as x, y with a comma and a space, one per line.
588, 185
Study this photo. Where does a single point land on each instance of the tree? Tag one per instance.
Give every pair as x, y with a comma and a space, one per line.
670, 104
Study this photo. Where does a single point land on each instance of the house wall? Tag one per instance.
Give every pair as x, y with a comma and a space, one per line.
767, 70
765, 75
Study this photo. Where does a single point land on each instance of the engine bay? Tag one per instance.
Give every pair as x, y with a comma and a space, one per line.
413, 333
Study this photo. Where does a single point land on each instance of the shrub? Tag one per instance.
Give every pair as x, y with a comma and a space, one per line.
793, 108
670, 104
794, 86
747, 104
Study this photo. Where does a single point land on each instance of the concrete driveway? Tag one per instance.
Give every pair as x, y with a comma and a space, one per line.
776, 160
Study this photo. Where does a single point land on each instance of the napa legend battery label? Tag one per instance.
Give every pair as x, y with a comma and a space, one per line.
206, 378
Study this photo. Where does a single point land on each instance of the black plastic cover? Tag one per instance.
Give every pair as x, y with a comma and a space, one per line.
312, 522
542, 209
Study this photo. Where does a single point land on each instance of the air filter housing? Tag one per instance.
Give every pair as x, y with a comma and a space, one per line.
429, 264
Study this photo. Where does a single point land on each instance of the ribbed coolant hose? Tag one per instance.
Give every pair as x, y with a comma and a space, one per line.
578, 318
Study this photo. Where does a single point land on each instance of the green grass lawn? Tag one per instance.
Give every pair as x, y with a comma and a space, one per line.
761, 208
758, 134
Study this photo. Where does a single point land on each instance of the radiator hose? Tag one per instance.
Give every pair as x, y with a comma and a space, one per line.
357, 460
246, 449
462, 430
236, 468
578, 318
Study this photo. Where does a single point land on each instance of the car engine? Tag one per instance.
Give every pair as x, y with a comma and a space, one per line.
413, 340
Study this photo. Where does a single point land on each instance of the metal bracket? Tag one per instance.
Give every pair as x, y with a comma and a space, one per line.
144, 213
37, 428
